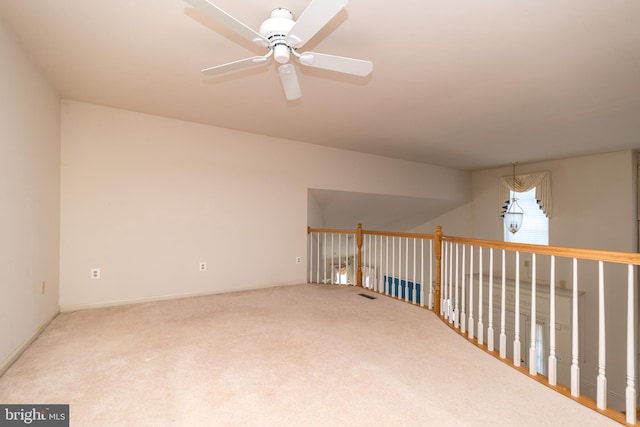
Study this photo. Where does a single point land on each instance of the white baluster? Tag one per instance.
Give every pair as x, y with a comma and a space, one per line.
516, 339
333, 274
430, 274
379, 269
381, 287
415, 284
503, 333
376, 284
456, 309
366, 273
630, 390
380, 265
470, 331
354, 263
346, 257
365, 260
365, 248
370, 250
339, 256
422, 275
386, 269
393, 266
451, 283
354, 260
399, 291
450, 280
533, 360
480, 295
406, 270
490, 332
310, 266
443, 285
601, 394
324, 268
318, 260
463, 308
575, 352
553, 360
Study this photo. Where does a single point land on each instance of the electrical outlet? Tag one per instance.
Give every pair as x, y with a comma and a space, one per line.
526, 263
43, 287
203, 266
298, 260
95, 273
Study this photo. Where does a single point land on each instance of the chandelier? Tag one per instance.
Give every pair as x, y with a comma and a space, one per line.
515, 214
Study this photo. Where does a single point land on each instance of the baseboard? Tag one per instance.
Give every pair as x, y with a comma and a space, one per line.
76, 307
615, 400
18, 352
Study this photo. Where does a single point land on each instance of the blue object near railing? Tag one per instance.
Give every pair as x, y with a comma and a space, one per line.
399, 288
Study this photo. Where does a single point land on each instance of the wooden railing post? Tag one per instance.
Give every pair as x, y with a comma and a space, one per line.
359, 242
437, 249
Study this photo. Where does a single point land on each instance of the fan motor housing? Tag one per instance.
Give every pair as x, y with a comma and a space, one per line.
275, 30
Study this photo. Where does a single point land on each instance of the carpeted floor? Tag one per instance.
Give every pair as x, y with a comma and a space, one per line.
301, 355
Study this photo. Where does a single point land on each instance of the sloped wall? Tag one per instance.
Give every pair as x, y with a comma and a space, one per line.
146, 199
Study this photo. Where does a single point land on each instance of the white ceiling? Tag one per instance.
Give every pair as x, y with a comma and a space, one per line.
463, 84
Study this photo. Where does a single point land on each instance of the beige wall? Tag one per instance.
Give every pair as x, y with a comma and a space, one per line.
594, 203
146, 199
29, 200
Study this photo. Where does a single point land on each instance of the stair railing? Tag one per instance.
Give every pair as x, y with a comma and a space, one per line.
469, 281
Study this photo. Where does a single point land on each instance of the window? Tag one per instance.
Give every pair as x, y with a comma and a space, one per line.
535, 224
541, 353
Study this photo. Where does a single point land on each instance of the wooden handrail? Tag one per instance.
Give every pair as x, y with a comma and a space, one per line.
330, 230
371, 232
399, 234
588, 254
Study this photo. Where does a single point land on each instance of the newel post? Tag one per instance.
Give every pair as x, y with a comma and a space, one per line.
437, 249
359, 242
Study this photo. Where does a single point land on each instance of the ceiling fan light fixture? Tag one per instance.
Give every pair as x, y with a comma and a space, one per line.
281, 53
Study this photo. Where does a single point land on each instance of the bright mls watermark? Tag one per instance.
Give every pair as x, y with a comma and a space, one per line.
34, 415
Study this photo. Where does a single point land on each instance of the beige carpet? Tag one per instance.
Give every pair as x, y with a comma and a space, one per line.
289, 356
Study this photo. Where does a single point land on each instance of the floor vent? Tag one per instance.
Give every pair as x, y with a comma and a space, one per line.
367, 296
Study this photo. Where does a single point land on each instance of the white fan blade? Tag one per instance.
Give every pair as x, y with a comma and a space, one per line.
314, 17
214, 12
289, 81
357, 67
236, 65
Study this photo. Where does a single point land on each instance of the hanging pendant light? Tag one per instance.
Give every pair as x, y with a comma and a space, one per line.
515, 214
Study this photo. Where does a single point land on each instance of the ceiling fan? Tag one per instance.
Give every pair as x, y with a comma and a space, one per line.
283, 37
